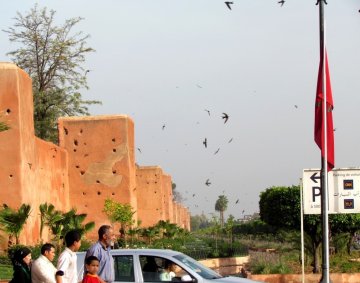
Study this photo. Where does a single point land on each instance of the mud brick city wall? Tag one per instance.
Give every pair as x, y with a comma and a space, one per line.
94, 161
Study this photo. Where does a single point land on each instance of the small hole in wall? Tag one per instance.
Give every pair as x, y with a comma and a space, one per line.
77, 166
84, 143
97, 181
114, 149
66, 131
113, 194
81, 130
84, 194
10, 175
155, 182
113, 140
85, 205
86, 155
114, 171
8, 111
75, 142
74, 150
155, 192
147, 183
82, 172
99, 193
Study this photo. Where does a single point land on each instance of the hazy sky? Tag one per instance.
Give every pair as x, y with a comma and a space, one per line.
165, 61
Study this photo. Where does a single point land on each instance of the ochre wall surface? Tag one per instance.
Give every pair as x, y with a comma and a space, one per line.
95, 161
101, 162
32, 171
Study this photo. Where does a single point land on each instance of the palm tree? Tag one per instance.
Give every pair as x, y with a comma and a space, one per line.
12, 221
221, 206
49, 216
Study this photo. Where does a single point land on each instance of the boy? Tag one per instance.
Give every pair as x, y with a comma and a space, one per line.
68, 259
92, 267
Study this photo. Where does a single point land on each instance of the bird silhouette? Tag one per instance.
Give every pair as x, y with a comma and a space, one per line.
281, 2
87, 71
163, 127
205, 142
225, 117
207, 183
199, 86
237, 201
208, 111
230, 140
194, 195
138, 149
217, 151
243, 211
228, 3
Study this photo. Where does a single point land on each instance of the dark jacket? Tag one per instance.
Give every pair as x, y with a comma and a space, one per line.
21, 274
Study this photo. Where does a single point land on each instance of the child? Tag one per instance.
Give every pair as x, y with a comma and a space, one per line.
92, 267
67, 259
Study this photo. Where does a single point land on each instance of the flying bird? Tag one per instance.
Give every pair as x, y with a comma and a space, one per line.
207, 183
139, 149
228, 3
163, 127
225, 117
208, 111
194, 195
281, 2
205, 142
237, 201
295, 106
230, 140
87, 71
217, 151
199, 86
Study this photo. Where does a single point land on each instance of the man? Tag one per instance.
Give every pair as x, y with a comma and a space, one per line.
42, 269
67, 260
101, 249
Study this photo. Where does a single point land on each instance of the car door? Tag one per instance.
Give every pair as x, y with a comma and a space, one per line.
124, 268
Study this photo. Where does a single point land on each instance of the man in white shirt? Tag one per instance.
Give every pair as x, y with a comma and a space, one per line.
42, 269
67, 260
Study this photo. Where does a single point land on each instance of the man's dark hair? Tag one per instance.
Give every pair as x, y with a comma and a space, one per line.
103, 230
46, 247
71, 237
90, 259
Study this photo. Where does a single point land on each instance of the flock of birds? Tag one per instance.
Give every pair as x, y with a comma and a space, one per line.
281, 2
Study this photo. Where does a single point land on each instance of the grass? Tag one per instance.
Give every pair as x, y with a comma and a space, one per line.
6, 271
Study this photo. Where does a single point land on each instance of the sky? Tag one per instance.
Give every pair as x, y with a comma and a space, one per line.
163, 62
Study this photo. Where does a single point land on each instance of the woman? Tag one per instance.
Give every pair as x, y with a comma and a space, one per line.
21, 265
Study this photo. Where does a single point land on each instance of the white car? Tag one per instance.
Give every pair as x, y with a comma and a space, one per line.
147, 265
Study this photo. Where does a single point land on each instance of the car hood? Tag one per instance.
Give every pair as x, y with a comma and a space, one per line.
233, 279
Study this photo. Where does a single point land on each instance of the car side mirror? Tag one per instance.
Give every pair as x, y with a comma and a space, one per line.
186, 278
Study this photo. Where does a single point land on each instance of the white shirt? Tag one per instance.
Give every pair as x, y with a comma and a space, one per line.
67, 263
43, 271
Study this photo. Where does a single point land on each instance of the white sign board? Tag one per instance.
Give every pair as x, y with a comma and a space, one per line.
343, 190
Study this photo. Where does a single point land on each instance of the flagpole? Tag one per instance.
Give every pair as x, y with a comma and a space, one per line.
325, 278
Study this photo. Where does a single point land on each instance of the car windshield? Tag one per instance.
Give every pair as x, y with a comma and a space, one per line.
200, 269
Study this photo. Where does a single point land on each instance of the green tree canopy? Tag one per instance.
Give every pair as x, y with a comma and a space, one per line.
53, 56
117, 212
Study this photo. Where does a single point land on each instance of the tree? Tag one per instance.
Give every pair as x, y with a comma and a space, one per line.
176, 194
53, 57
49, 216
122, 213
221, 206
12, 221
280, 207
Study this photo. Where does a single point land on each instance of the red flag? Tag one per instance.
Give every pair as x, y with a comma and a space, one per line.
319, 116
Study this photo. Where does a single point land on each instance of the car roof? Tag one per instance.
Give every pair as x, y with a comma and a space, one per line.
155, 252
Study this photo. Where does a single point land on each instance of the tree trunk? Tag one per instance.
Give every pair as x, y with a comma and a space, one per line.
316, 249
